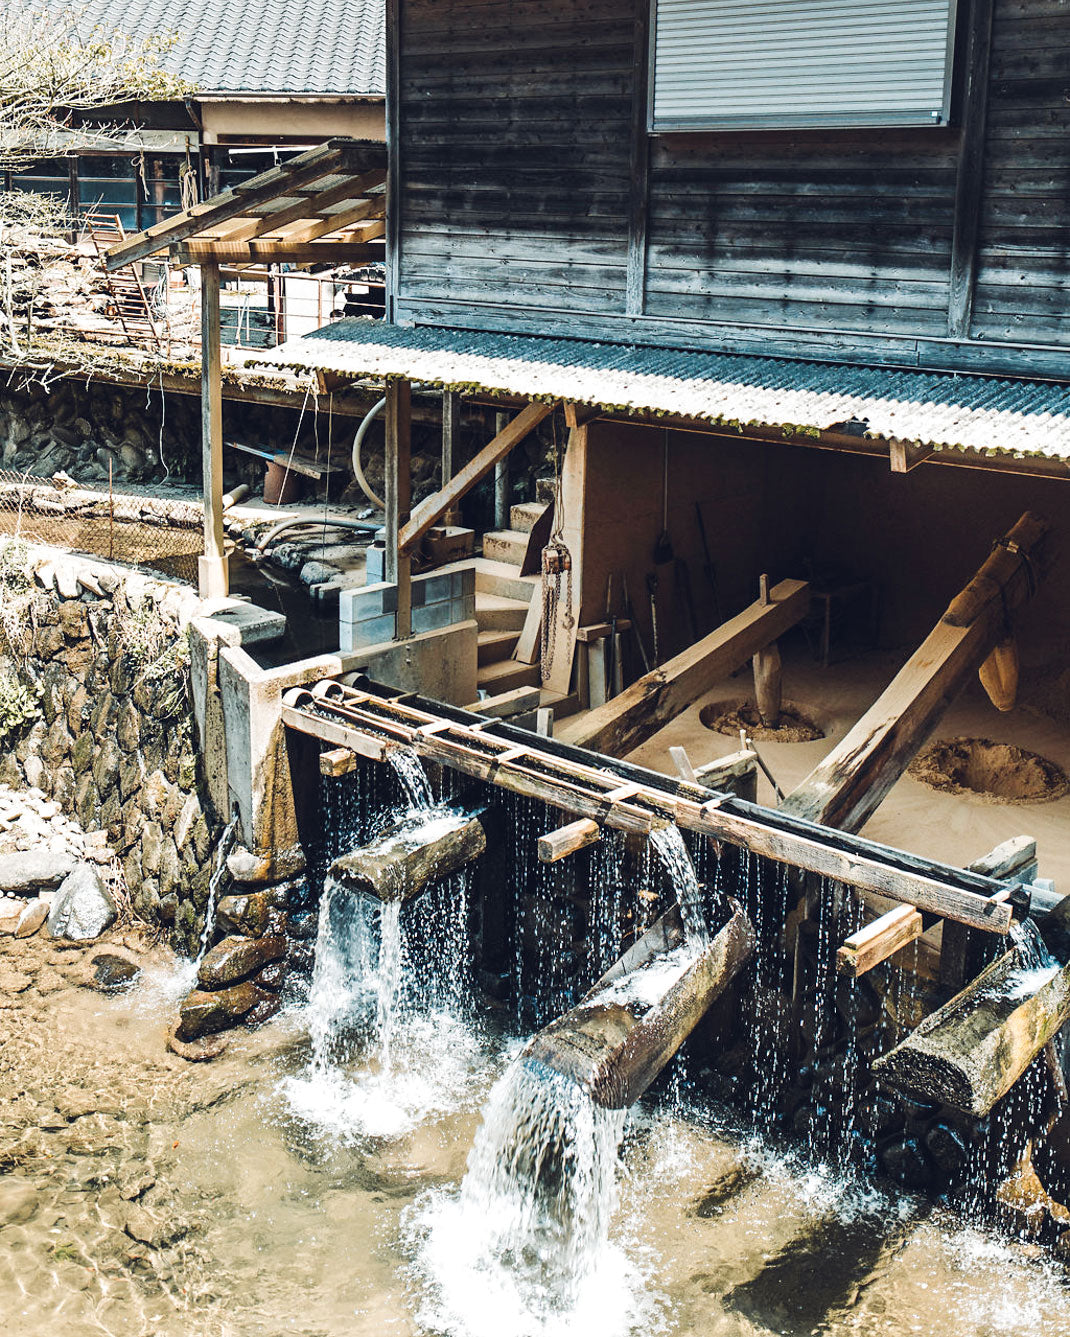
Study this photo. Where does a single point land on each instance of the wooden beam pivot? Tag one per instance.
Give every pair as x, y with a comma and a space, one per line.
878, 941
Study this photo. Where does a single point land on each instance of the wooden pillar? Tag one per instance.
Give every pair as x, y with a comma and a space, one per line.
768, 684
213, 574
501, 479
451, 440
398, 483
573, 503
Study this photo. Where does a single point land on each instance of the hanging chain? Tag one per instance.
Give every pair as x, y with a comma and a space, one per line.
556, 572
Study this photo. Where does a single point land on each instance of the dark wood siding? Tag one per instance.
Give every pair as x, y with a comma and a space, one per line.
1023, 281
516, 151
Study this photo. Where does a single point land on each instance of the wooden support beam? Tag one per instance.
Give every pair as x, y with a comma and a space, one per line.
847, 786
398, 487
878, 941
904, 456
572, 500
429, 512
591, 790
659, 696
338, 761
451, 442
213, 575
568, 839
579, 415
309, 205
326, 252
518, 701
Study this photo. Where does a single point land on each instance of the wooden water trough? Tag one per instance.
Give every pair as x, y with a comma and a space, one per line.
630, 1024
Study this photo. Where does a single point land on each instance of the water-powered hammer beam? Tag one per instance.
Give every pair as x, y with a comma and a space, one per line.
845, 789
626, 1028
400, 862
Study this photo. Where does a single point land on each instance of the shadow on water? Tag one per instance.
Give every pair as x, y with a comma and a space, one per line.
818, 1274
308, 630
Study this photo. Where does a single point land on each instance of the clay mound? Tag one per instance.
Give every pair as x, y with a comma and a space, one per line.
728, 717
996, 772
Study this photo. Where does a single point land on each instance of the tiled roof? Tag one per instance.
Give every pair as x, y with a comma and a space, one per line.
996, 416
311, 47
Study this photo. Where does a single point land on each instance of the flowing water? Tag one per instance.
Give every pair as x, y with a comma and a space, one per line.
226, 844
668, 841
265, 1224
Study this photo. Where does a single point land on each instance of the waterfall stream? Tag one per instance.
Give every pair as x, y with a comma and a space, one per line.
671, 850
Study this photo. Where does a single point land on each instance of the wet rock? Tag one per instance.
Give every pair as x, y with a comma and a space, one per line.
947, 1148
83, 909
26, 872
13, 981
905, 1161
197, 1051
18, 1200
32, 917
273, 976
244, 914
263, 1010
204, 1013
147, 1229
237, 958
75, 1103
112, 970
245, 866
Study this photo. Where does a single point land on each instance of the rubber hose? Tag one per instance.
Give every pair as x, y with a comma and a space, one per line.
358, 441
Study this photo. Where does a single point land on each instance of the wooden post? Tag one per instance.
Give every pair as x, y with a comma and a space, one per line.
501, 478
768, 684
573, 501
451, 438
212, 568
568, 839
398, 495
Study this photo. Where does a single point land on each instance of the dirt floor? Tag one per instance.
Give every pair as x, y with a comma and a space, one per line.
955, 828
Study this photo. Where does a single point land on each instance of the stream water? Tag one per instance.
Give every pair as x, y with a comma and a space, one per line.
265, 1224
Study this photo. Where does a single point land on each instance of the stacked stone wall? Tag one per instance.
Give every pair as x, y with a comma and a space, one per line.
100, 656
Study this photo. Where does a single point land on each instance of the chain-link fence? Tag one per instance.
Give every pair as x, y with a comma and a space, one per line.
165, 534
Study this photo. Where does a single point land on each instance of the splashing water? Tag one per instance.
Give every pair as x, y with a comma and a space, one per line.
671, 850
391, 1045
411, 776
523, 1247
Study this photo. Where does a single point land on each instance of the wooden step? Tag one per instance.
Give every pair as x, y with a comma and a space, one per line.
495, 645
496, 613
562, 704
505, 545
502, 578
506, 674
524, 517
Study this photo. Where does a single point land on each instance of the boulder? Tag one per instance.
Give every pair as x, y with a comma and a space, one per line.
236, 959
245, 914
32, 917
27, 872
83, 909
204, 1013
112, 970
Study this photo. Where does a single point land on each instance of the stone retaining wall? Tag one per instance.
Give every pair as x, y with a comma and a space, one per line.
95, 711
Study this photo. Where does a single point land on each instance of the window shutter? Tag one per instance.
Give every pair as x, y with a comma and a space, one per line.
765, 63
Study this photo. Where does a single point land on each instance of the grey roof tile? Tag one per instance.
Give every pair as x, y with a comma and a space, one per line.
310, 47
994, 415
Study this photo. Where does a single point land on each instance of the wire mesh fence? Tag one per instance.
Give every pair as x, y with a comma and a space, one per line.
165, 534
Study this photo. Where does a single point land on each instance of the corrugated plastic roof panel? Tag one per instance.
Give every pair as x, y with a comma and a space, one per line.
310, 47
996, 416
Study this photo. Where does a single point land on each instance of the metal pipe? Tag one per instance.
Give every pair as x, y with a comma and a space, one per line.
314, 522
358, 441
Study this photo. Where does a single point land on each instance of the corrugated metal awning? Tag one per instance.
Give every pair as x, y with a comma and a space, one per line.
986, 414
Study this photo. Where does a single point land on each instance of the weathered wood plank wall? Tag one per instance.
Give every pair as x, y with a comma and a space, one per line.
521, 202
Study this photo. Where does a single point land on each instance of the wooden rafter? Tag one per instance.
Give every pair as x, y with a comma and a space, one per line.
229, 227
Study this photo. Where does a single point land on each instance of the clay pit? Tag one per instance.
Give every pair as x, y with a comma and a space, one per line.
997, 772
729, 717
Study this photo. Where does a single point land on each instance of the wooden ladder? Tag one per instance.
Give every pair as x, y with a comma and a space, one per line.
124, 286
